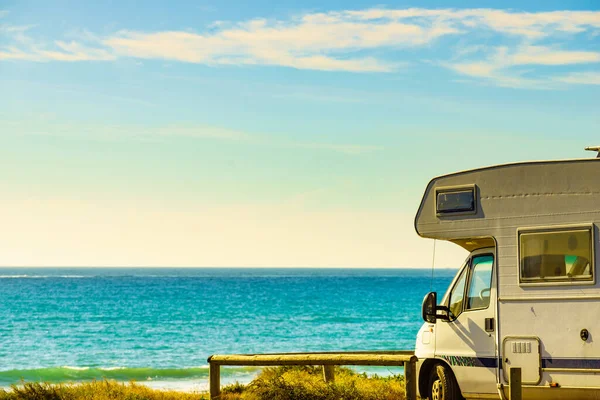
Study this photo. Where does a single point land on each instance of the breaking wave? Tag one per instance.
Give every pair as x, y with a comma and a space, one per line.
75, 374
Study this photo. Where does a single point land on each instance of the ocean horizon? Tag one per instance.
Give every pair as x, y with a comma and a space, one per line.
158, 325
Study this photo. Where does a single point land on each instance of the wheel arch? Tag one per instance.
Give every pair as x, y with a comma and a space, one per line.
425, 371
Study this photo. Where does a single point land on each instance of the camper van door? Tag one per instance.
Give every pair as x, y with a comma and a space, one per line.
467, 342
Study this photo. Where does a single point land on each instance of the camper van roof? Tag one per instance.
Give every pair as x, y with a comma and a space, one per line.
468, 207
521, 163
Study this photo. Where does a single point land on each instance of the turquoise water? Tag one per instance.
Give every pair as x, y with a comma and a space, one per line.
159, 325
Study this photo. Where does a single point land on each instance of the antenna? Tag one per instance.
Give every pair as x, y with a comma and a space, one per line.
594, 148
432, 266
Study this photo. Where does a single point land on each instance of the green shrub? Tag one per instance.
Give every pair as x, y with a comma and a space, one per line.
306, 383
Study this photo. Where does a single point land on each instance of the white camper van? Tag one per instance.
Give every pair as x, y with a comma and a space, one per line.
528, 295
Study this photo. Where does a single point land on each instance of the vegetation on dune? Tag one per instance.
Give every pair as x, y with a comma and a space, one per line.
306, 383
280, 383
96, 390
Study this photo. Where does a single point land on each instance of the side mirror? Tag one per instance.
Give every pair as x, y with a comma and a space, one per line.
430, 307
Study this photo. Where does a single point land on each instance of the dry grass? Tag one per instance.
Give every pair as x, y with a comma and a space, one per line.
281, 383
96, 390
306, 383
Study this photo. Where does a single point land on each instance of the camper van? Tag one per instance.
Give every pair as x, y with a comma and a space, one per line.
528, 294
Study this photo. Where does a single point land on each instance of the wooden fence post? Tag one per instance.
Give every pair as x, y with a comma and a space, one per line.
516, 391
214, 372
410, 379
328, 361
329, 373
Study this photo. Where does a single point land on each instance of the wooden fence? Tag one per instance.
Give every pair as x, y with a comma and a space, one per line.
406, 359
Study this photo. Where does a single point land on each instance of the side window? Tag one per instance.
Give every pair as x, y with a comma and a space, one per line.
457, 295
480, 283
556, 255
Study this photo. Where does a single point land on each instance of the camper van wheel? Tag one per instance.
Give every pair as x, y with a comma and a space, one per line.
442, 385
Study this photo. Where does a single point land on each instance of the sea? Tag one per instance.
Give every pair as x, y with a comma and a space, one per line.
158, 326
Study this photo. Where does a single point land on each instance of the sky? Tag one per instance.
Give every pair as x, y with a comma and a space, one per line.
273, 134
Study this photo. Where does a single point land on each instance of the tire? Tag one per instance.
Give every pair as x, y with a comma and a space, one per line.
442, 384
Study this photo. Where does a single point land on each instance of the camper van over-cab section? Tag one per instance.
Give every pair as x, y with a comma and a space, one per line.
528, 295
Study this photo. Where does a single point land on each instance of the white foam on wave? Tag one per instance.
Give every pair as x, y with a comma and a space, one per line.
180, 386
25, 276
193, 386
75, 368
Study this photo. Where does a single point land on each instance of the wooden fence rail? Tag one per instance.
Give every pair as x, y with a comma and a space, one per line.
407, 359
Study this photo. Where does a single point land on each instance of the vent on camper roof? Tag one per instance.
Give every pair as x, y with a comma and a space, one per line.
594, 148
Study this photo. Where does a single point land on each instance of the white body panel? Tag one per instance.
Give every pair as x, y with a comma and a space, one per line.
509, 198
467, 347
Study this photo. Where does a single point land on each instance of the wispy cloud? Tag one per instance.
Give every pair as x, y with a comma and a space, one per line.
498, 67
349, 41
24, 47
531, 25
51, 126
541, 55
48, 125
72, 51
581, 78
351, 149
302, 45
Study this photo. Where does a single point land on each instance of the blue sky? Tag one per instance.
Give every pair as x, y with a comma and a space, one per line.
292, 134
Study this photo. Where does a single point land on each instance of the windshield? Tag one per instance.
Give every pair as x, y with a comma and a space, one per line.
454, 281
474, 280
